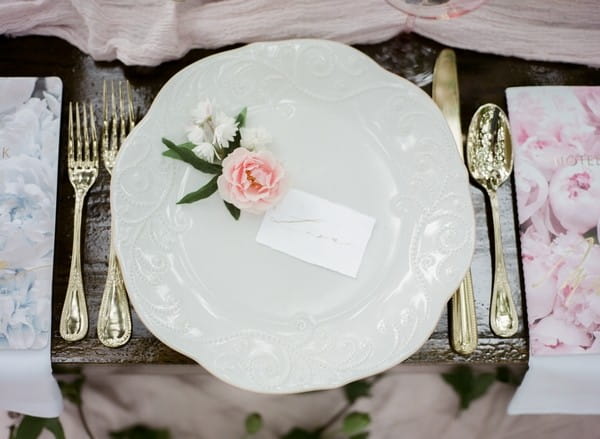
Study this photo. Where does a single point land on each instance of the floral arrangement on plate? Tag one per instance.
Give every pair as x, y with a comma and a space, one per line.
557, 173
247, 176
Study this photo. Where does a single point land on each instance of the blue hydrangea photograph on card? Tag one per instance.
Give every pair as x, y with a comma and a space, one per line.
29, 141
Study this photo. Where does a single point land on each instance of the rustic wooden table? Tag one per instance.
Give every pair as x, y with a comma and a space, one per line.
483, 78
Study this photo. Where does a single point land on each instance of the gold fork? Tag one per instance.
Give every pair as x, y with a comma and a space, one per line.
114, 318
83, 170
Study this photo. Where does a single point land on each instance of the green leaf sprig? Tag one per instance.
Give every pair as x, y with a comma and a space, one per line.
470, 385
184, 153
31, 427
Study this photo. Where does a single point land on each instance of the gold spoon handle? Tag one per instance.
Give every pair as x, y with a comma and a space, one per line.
503, 315
464, 325
114, 318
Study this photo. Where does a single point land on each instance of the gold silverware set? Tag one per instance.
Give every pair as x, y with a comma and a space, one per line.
114, 319
489, 159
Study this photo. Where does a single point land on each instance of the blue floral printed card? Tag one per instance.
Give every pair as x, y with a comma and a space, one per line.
29, 140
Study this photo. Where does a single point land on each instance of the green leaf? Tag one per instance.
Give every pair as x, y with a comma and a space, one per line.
71, 390
299, 433
31, 427
355, 422
54, 426
237, 139
357, 389
204, 192
173, 154
467, 385
141, 432
505, 375
234, 211
253, 423
189, 157
241, 117
363, 435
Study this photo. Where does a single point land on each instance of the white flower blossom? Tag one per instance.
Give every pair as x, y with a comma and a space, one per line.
225, 129
205, 151
196, 134
255, 138
203, 111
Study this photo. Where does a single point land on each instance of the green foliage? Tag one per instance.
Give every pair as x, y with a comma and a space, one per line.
173, 154
31, 427
300, 433
253, 423
235, 143
141, 432
357, 389
468, 385
505, 375
355, 423
71, 390
204, 192
234, 211
188, 156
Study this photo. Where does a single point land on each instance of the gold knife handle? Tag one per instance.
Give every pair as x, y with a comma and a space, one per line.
464, 324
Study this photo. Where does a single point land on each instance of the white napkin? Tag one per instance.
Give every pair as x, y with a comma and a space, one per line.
556, 139
566, 384
29, 140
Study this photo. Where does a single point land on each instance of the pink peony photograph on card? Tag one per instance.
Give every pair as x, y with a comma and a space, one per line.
556, 137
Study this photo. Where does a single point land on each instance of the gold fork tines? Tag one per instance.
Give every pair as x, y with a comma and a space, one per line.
82, 157
114, 319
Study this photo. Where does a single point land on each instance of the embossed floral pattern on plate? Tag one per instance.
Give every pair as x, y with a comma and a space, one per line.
346, 130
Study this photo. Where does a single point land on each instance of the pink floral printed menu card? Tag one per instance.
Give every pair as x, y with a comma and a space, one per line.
556, 138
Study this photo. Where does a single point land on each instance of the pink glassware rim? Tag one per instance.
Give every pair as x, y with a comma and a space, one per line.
448, 10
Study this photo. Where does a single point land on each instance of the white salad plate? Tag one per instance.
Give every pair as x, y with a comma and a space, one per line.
345, 130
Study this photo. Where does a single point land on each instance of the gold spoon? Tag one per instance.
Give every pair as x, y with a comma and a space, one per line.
490, 161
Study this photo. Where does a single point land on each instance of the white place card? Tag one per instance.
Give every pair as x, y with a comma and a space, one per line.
317, 231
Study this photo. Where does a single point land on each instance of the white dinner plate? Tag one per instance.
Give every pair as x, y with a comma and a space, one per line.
346, 130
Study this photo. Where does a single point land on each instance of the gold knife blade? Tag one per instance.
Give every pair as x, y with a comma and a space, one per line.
445, 93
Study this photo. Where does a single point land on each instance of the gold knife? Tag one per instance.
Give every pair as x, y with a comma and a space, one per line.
463, 329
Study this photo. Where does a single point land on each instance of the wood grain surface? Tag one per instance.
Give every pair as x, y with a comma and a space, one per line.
483, 78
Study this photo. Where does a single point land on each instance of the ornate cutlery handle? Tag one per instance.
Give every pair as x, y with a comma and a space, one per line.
74, 317
114, 318
464, 324
503, 315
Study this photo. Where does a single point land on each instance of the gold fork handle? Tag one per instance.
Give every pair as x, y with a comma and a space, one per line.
503, 315
114, 319
464, 324
74, 317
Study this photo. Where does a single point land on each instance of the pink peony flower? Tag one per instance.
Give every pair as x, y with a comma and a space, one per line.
545, 221
578, 282
575, 197
590, 100
526, 114
539, 267
252, 180
532, 189
552, 333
